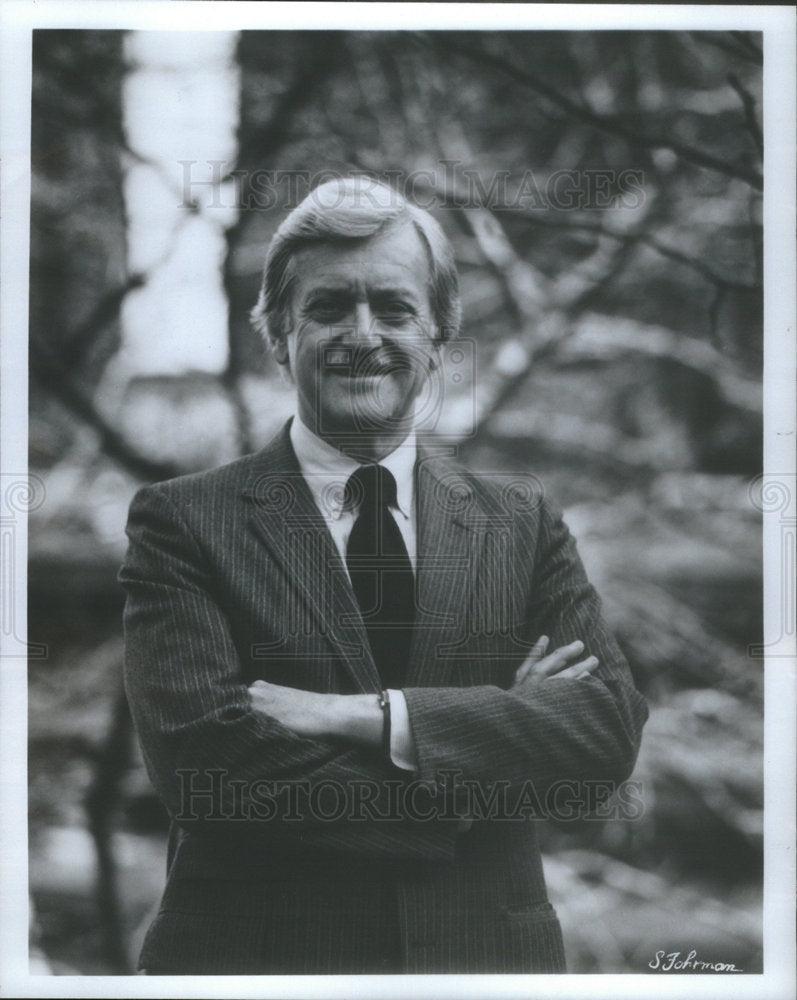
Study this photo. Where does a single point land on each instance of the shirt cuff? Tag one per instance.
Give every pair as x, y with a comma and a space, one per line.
402, 745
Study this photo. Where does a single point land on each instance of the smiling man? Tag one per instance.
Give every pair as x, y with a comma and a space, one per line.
337, 649
364, 338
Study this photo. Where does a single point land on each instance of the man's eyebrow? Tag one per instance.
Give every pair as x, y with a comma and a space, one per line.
344, 288
394, 290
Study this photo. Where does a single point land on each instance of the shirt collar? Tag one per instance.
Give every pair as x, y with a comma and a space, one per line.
327, 470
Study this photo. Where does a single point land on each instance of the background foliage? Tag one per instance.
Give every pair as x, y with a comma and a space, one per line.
616, 336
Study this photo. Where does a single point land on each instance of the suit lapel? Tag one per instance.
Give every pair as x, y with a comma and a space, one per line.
450, 539
287, 521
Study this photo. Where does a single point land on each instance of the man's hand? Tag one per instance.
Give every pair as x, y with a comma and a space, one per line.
539, 667
308, 713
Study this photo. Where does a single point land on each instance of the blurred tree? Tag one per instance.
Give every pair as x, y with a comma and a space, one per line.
77, 224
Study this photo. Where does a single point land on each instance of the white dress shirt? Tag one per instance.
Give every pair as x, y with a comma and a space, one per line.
326, 471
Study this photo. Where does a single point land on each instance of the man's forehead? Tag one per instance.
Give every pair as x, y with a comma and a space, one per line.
322, 284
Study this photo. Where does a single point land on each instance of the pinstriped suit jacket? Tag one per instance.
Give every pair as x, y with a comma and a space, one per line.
231, 576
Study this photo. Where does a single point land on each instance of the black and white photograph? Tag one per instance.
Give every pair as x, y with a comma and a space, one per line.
398, 500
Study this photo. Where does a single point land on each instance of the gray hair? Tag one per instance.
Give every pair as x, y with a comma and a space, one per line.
352, 208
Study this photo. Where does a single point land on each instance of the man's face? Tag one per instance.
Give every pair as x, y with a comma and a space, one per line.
361, 346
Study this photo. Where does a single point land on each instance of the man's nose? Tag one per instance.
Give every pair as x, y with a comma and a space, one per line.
365, 327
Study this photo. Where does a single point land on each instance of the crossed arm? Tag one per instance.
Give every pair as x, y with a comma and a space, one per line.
564, 716
358, 718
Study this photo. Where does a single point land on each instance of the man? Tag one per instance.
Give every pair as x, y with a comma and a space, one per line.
337, 649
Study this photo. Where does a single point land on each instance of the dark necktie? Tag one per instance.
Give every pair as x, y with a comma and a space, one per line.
381, 572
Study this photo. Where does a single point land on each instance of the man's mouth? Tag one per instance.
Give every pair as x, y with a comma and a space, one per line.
358, 364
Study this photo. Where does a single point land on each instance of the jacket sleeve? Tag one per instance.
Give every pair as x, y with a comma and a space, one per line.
557, 730
213, 760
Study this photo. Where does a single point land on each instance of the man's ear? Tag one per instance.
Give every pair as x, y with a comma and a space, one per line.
280, 350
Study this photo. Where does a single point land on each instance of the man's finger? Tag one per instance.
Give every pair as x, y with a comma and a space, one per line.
539, 647
557, 665
582, 669
559, 659
535, 655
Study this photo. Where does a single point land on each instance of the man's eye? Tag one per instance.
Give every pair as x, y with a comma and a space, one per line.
327, 311
395, 312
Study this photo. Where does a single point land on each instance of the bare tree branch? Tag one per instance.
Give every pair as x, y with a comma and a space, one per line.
600, 231
601, 337
78, 340
748, 103
747, 43
582, 441
743, 49
267, 139
605, 123
58, 380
